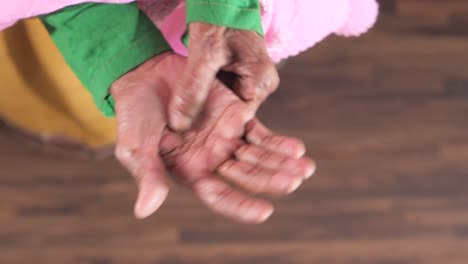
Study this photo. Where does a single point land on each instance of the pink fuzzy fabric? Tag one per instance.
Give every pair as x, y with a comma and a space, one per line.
14, 10
291, 26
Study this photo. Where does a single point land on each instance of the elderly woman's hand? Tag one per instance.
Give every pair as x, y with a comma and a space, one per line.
212, 49
225, 146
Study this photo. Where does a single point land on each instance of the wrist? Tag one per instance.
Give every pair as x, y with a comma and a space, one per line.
244, 15
127, 83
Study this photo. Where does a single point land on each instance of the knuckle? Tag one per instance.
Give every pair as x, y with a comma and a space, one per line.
275, 79
272, 79
242, 151
124, 154
213, 42
187, 105
258, 181
190, 97
210, 49
266, 139
261, 183
225, 167
265, 156
186, 95
268, 79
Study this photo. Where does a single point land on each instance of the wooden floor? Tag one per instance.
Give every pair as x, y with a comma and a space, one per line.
386, 117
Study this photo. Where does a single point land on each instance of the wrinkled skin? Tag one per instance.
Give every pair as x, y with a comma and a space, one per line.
226, 145
212, 49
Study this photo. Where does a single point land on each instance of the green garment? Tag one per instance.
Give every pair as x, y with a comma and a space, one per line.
237, 14
102, 42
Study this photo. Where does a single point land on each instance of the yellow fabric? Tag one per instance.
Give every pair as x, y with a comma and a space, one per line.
39, 93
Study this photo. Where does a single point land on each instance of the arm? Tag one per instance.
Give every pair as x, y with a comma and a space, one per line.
100, 45
102, 42
119, 38
173, 20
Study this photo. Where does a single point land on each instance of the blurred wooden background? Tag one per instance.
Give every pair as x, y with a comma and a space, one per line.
386, 117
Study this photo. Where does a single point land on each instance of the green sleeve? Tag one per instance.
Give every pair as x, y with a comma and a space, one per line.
102, 42
237, 14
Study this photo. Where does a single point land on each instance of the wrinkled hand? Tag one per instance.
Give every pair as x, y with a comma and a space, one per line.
211, 49
224, 147
140, 104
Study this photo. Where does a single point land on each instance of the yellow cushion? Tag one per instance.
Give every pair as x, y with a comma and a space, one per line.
40, 94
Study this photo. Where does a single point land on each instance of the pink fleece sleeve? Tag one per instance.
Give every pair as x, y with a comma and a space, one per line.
290, 26
298, 25
14, 10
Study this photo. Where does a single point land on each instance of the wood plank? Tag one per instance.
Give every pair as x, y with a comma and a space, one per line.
384, 115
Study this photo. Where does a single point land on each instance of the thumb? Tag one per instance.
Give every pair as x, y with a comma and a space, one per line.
139, 105
137, 149
150, 175
152, 190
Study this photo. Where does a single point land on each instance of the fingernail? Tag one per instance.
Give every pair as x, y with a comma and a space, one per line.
310, 172
149, 201
263, 217
305, 169
256, 215
294, 185
286, 183
310, 169
301, 151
